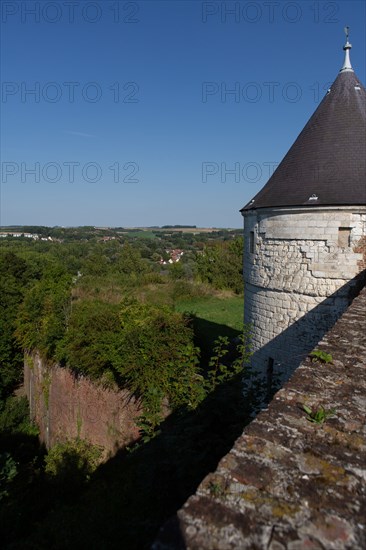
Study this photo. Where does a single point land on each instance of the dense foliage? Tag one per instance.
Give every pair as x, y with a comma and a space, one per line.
110, 309
43, 315
81, 302
221, 265
73, 462
13, 281
146, 348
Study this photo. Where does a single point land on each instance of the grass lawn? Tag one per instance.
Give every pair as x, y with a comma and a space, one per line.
142, 234
223, 311
214, 316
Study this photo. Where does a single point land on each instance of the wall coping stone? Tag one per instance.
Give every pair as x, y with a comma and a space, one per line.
289, 484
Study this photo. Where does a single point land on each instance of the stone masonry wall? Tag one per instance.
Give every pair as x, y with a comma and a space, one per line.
64, 406
288, 483
299, 278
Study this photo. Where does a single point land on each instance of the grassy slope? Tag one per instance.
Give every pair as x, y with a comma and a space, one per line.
226, 311
214, 316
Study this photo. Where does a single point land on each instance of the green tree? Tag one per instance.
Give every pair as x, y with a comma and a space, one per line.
130, 261
14, 277
176, 271
220, 264
157, 358
43, 315
91, 340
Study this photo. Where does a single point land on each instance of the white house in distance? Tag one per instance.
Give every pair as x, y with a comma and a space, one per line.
305, 232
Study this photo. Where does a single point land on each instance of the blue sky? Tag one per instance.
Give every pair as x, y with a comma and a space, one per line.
131, 121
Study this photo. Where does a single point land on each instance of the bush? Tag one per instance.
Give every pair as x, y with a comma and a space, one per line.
221, 265
43, 315
186, 290
14, 276
146, 348
8, 471
72, 462
156, 354
151, 278
14, 417
182, 290
91, 339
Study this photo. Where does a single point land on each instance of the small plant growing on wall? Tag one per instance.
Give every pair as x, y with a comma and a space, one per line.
45, 386
216, 489
321, 356
8, 471
318, 415
30, 362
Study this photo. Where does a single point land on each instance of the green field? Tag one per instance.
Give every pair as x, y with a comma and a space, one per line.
222, 311
214, 317
142, 234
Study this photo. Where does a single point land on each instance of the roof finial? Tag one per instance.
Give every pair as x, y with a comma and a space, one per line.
347, 62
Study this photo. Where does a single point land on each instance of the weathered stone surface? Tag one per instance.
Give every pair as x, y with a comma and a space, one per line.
289, 484
299, 278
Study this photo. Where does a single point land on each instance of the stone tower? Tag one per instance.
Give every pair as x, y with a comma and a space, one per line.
305, 232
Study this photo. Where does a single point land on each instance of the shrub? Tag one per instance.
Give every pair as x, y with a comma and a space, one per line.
43, 315
8, 471
72, 462
146, 348
156, 356
321, 356
221, 265
14, 417
91, 339
151, 278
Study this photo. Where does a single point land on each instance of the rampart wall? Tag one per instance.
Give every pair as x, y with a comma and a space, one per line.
66, 406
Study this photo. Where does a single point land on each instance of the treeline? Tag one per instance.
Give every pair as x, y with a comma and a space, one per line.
179, 226
95, 234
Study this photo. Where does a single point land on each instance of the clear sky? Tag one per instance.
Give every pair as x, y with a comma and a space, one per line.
130, 122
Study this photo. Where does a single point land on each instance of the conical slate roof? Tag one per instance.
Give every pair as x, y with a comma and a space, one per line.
327, 163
